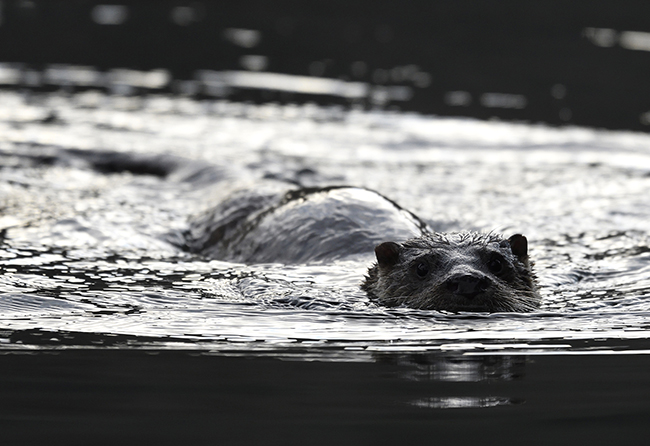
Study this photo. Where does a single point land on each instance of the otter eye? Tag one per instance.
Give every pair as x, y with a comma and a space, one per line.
495, 265
422, 269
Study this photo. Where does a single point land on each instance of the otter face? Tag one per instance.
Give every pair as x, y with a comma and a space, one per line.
455, 272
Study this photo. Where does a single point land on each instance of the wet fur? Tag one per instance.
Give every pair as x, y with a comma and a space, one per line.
393, 281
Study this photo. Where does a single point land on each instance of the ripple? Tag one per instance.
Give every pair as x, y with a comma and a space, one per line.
93, 258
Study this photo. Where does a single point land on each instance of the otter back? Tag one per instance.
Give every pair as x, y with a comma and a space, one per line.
300, 226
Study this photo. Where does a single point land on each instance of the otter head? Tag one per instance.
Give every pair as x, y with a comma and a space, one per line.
455, 272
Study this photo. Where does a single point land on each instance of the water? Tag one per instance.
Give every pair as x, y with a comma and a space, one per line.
90, 252
172, 397
91, 264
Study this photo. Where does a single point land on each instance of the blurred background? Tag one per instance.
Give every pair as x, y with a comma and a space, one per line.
581, 63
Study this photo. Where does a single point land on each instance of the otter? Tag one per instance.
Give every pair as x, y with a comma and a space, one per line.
428, 270
455, 272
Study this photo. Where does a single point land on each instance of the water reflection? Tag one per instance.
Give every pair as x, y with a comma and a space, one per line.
635, 40
109, 14
464, 402
282, 82
503, 100
245, 38
457, 369
225, 83
607, 38
458, 98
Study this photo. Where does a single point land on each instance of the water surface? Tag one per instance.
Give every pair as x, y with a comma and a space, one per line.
90, 258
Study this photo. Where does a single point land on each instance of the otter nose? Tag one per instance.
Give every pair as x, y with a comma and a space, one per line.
467, 285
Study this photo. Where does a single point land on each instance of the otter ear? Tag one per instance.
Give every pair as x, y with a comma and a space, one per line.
387, 253
519, 246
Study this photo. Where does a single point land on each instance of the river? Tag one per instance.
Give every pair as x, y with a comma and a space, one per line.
89, 264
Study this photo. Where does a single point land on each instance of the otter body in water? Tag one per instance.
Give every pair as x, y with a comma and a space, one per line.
455, 272
300, 226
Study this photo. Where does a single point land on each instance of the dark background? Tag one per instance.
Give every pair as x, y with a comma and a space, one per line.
543, 51
109, 397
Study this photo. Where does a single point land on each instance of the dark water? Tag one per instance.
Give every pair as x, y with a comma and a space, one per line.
581, 62
171, 397
105, 321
